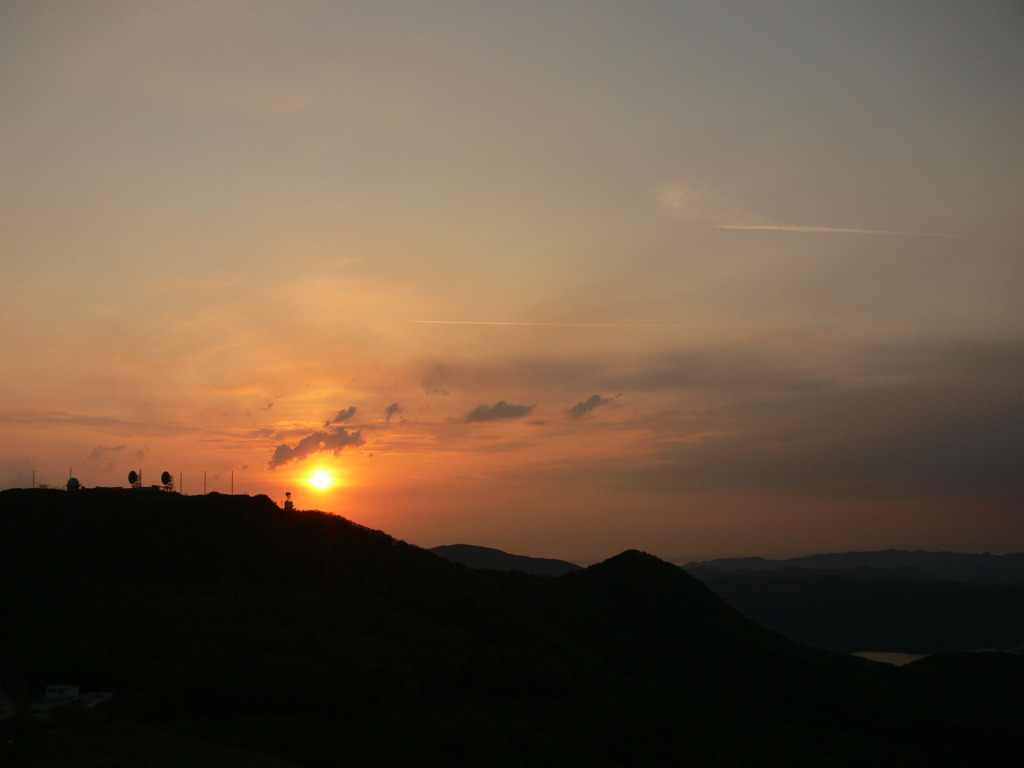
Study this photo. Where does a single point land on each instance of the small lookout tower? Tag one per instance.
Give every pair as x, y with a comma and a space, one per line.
288, 503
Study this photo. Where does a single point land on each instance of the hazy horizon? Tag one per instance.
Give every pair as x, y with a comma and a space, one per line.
565, 279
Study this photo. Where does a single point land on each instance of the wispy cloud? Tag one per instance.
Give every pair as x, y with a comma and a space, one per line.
582, 408
500, 410
344, 415
47, 417
835, 230
562, 325
689, 201
391, 410
98, 456
335, 441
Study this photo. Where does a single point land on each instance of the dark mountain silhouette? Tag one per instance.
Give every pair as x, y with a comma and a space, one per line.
901, 564
915, 602
842, 614
234, 632
485, 557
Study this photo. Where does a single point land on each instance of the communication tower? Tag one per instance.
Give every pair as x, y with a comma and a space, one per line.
288, 503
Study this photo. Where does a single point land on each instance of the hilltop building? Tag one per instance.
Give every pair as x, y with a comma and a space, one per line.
65, 695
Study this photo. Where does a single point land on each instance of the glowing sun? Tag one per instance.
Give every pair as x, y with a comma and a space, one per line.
321, 479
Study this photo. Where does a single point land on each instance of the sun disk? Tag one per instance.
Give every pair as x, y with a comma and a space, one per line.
320, 479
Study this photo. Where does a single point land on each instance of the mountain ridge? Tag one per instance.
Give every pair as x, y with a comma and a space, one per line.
889, 600
311, 639
886, 564
473, 556
985, 568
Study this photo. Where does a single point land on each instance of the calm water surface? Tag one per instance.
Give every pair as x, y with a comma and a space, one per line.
890, 657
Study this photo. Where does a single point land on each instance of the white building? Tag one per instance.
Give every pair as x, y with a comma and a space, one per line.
56, 696
61, 692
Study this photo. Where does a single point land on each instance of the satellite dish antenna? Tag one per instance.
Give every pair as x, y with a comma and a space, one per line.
165, 478
73, 484
134, 479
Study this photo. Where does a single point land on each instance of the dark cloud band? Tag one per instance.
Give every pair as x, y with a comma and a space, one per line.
500, 410
317, 442
582, 408
342, 416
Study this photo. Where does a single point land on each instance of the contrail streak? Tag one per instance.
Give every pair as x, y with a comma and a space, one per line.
839, 230
561, 325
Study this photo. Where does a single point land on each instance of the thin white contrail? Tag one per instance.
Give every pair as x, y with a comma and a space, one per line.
562, 325
838, 230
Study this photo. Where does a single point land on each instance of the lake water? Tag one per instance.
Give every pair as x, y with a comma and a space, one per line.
890, 657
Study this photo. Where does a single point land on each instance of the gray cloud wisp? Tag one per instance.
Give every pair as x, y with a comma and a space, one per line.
500, 410
342, 416
335, 441
582, 408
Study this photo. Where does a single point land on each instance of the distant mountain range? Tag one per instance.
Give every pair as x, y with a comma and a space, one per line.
894, 600
885, 565
485, 557
234, 632
888, 564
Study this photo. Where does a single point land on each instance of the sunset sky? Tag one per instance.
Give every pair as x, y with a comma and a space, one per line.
562, 278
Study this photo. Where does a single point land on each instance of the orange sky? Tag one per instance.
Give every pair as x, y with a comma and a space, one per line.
563, 280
